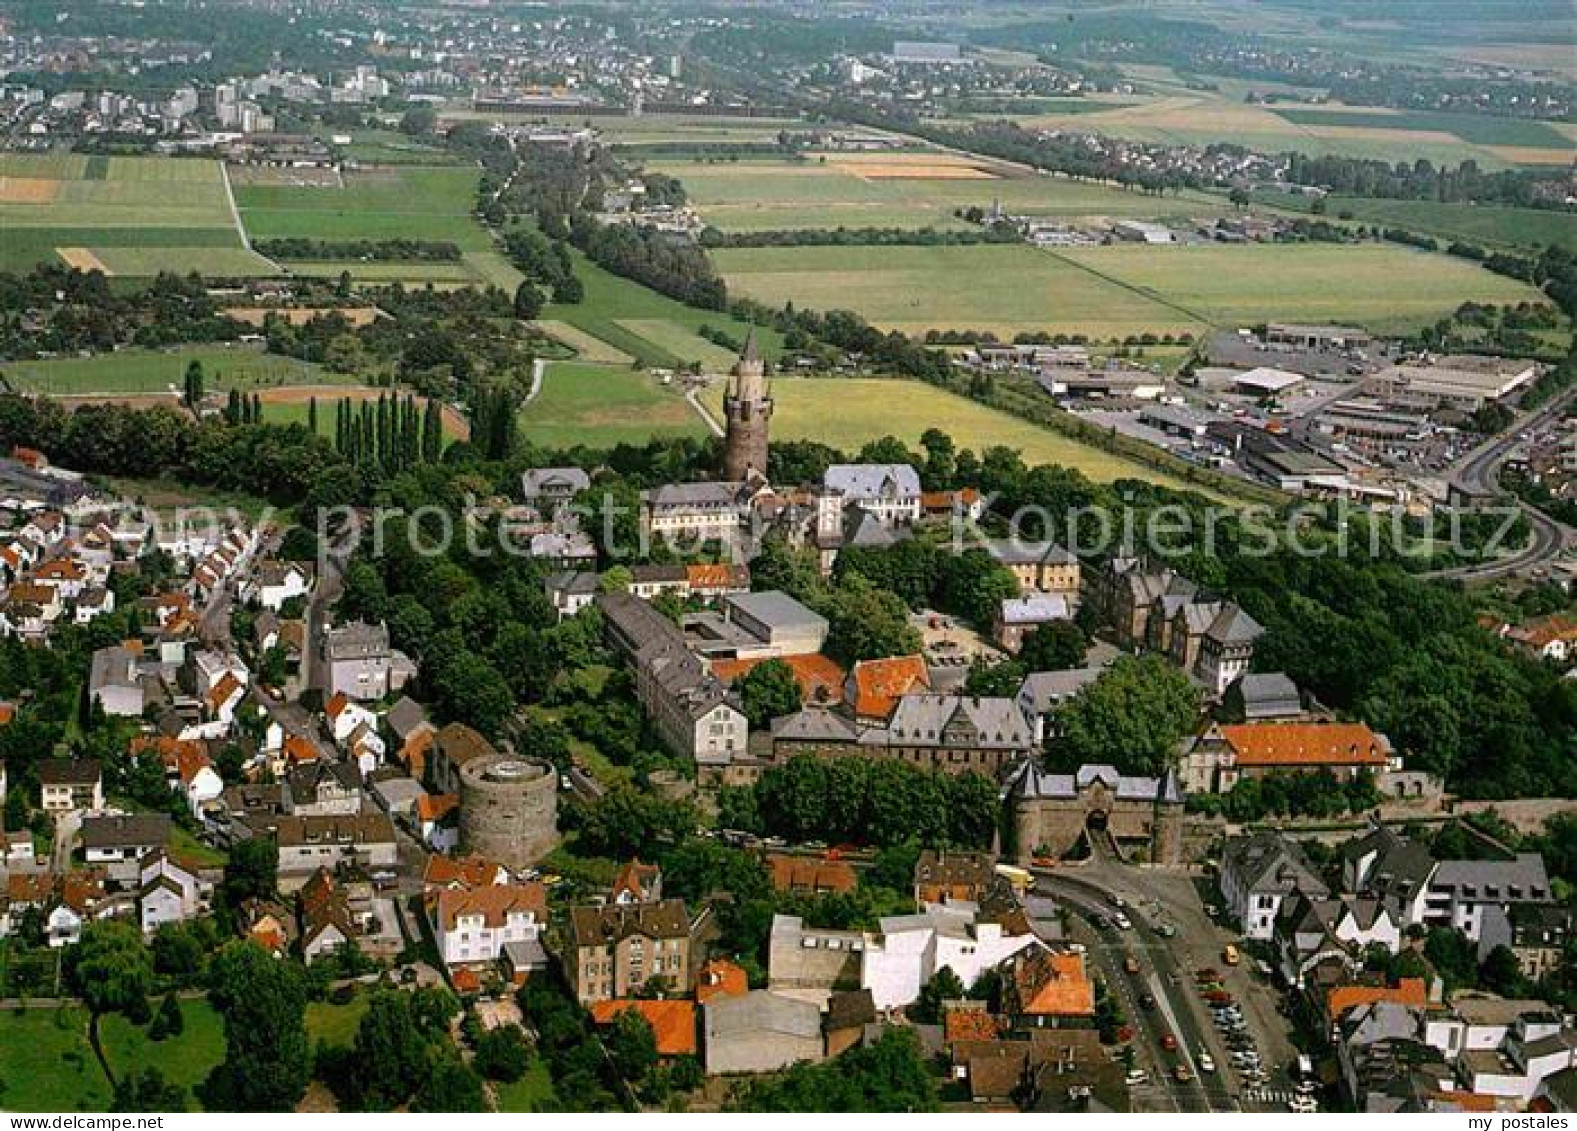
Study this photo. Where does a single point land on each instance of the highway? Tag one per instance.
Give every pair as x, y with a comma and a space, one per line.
1479, 474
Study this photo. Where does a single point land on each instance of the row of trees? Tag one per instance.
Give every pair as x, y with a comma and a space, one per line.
388, 435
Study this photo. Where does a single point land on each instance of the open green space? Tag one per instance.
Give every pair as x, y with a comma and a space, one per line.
1116, 291
611, 299
47, 1063
1476, 223
134, 371
532, 1092
603, 405
1001, 288
379, 204
412, 272
185, 1060
1476, 129
682, 342
335, 1025
765, 195
1379, 286
133, 215
849, 412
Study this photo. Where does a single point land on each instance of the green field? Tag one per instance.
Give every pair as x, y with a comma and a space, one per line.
395, 203
682, 342
47, 1063
185, 1060
160, 371
762, 195
1476, 129
335, 1025
1521, 227
134, 215
849, 412
999, 288
380, 272
532, 1092
611, 300
1116, 291
601, 405
1382, 287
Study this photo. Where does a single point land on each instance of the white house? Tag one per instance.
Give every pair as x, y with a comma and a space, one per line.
169, 893
344, 715
889, 491
275, 582
474, 926
909, 950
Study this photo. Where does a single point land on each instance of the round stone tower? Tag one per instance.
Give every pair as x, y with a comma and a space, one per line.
747, 407
509, 810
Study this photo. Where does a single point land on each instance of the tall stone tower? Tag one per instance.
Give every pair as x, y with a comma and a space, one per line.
747, 407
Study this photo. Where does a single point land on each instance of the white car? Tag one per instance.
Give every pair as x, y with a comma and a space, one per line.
1122, 921
1138, 1076
1207, 1063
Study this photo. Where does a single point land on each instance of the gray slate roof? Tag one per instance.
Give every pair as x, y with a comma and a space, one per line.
872, 480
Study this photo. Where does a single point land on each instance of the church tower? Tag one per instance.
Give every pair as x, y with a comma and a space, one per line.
747, 407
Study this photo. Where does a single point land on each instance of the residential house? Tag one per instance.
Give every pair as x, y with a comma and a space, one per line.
617, 949
1042, 693
274, 582
1040, 567
344, 715
309, 843
546, 490
69, 785
361, 663
170, 891
323, 788
118, 844
1259, 872
454, 746
570, 591
948, 877
1477, 896
472, 925
907, 951
1047, 989
1018, 616
637, 883
807, 875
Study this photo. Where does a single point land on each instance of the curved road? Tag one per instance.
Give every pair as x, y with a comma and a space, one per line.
1480, 474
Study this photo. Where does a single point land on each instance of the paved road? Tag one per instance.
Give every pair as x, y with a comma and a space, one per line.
1480, 473
1168, 895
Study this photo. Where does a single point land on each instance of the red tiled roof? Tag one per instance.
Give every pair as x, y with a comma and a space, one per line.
1305, 744
820, 679
1407, 991
799, 873
1054, 984
435, 806
879, 684
970, 1025
721, 978
673, 1022
494, 902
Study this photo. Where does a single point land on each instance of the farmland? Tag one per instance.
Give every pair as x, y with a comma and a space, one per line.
611, 303
129, 216
897, 190
135, 371
407, 202
600, 405
847, 413
1524, 227
1115, 291
1177, 112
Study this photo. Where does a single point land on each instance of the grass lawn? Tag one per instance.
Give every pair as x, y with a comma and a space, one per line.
161, 371
532, 1092
1000, 288
411, 202
849, 412
413, 272
169, 495
191, 848
610, 299
335, 1025
907, 190
601, 405
186, 1060
47, 1063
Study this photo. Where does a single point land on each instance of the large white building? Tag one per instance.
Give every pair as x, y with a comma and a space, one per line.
474, 926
